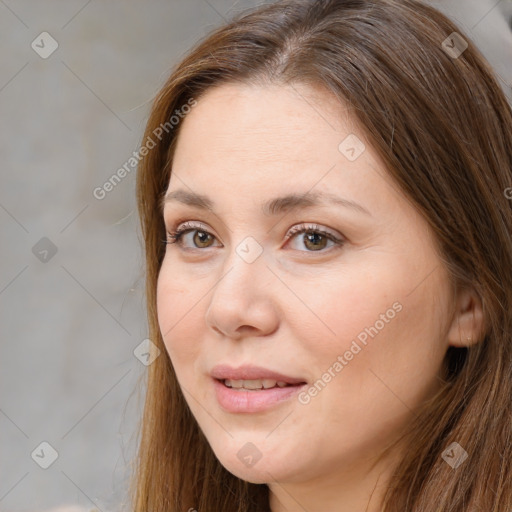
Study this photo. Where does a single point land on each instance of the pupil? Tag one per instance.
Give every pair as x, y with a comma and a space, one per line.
203, 237
313, 237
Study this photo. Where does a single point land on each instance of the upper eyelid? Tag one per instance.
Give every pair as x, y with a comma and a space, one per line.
192, 224
313, 226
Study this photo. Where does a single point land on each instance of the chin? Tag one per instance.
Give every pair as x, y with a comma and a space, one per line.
259, 474
252, 476
250, 464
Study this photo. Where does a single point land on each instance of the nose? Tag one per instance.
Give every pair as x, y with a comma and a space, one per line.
243, 302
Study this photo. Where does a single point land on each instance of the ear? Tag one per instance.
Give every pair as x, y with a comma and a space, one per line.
467, 327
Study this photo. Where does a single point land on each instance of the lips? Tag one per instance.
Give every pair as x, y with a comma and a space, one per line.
253, 389
224, 372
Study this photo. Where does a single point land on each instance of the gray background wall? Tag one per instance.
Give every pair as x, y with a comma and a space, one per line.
71, 287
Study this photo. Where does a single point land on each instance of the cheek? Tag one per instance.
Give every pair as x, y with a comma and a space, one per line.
344, 306
376, 320
179, 318
380, 363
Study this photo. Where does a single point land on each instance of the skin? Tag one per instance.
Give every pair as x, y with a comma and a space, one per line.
296, 309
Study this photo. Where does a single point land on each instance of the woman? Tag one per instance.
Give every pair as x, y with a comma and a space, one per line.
325, 205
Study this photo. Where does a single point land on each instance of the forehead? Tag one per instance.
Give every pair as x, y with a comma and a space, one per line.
256, 128
264, 141
278, 120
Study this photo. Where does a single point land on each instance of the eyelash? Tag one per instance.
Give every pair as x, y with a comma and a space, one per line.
175, 237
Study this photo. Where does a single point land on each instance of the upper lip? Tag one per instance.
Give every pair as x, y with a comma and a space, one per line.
250, 372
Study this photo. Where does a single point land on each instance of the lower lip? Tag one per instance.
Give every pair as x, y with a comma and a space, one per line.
232, 400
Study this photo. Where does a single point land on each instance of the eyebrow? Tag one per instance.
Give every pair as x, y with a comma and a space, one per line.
274, 206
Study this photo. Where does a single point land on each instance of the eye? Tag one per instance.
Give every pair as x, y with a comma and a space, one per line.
201, 237
314, 238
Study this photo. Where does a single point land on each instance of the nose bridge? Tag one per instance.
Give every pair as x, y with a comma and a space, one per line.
245, 264
240, 297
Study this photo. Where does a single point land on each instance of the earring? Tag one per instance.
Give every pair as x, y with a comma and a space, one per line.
468, 340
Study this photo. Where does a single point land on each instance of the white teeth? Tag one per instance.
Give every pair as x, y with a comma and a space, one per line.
254, 384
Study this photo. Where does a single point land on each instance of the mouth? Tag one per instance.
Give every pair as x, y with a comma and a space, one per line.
251, 389
256, 384
254, 377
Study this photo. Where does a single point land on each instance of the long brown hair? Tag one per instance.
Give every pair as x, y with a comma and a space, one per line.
443, 127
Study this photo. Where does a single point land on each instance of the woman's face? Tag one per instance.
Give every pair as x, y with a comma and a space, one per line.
351, 312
